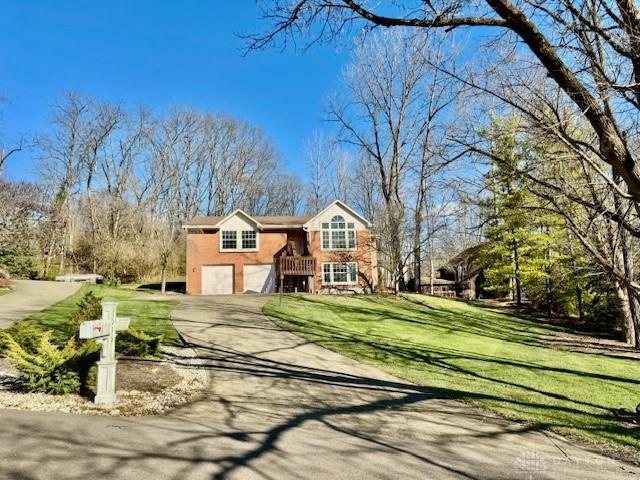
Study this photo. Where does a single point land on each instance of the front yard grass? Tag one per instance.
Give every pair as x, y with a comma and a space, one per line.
150, 315
4, 291
496, 361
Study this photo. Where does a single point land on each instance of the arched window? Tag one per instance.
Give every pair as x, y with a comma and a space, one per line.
338, 234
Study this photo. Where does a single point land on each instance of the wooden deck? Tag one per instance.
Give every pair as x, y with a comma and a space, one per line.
296, 265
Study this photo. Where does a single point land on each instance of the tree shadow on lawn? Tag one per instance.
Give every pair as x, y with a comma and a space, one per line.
175, 287
417, 361
494, 325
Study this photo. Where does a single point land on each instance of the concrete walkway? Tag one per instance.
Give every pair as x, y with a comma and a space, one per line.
279, 407
31, 296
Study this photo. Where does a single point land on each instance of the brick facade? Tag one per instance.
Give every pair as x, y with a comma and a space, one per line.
203, 248
364, 255
300, 236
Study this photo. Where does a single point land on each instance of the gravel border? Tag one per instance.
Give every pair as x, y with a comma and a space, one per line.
184, 362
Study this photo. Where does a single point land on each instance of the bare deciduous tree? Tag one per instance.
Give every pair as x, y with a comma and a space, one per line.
562, 36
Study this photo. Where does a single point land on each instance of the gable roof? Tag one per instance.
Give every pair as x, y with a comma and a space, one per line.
264, 221
345, 207
268, 221
238, 212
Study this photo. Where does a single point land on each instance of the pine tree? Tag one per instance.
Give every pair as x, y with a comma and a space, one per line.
521, 251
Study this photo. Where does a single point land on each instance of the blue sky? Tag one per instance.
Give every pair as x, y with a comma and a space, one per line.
159, 54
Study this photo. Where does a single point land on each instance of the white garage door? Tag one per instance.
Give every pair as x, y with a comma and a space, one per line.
260, 278
217, 279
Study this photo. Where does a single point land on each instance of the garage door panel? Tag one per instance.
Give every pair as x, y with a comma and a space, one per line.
217, 279
259, 278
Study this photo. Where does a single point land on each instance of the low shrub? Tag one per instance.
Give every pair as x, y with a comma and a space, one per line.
49, 368
136, 343
111, 279
24, 334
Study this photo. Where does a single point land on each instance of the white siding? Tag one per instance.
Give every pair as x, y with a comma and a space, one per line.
316, 223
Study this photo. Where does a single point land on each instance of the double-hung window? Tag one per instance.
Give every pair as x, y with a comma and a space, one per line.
340, 273
249, 238
229, 240
338, 234
237, 241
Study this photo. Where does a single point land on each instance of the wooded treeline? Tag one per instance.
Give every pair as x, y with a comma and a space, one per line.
116, 184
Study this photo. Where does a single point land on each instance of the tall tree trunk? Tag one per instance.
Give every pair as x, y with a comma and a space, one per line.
634, 307
578, 289
431, 266
624, 312
516, 275
631, 312
163, 274
547, 281
417, 252
632, 333
62, 257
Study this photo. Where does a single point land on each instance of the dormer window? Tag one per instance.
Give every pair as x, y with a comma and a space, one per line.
338, 234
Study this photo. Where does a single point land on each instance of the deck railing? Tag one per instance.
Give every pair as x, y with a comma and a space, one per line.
297, 265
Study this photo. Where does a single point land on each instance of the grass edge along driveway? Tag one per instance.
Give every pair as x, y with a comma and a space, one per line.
492, 360
147, 314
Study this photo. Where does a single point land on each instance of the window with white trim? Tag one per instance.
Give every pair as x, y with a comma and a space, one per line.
229, 240
338, 234
249, 240
340, 273
237, 241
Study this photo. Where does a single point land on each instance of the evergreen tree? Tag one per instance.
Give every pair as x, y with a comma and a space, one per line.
522, 241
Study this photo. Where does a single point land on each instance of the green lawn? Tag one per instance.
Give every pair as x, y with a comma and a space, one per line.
490, 359
147, 314
4, 291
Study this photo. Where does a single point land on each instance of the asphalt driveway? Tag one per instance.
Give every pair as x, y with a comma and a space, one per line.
31, 296
279, 407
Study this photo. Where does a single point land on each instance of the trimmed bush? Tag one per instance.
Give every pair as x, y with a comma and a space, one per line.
48, 368
136, 343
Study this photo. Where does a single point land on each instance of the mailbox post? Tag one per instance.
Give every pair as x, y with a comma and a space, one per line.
104, 332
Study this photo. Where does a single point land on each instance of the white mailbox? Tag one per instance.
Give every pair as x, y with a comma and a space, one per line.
94, 329
104, 332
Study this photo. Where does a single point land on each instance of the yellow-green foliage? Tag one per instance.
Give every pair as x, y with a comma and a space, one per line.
24, 334
48, 368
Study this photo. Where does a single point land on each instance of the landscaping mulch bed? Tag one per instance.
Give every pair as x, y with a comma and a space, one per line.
144, 387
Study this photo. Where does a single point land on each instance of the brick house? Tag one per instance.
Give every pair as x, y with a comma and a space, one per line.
241, 253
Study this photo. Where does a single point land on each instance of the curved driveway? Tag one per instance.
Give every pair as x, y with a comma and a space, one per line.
280, 408
31, 296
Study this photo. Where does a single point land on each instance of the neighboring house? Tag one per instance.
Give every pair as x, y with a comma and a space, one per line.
241, 253
466, 270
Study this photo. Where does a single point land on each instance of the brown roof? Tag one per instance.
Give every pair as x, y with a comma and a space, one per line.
264, 220
467, 254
